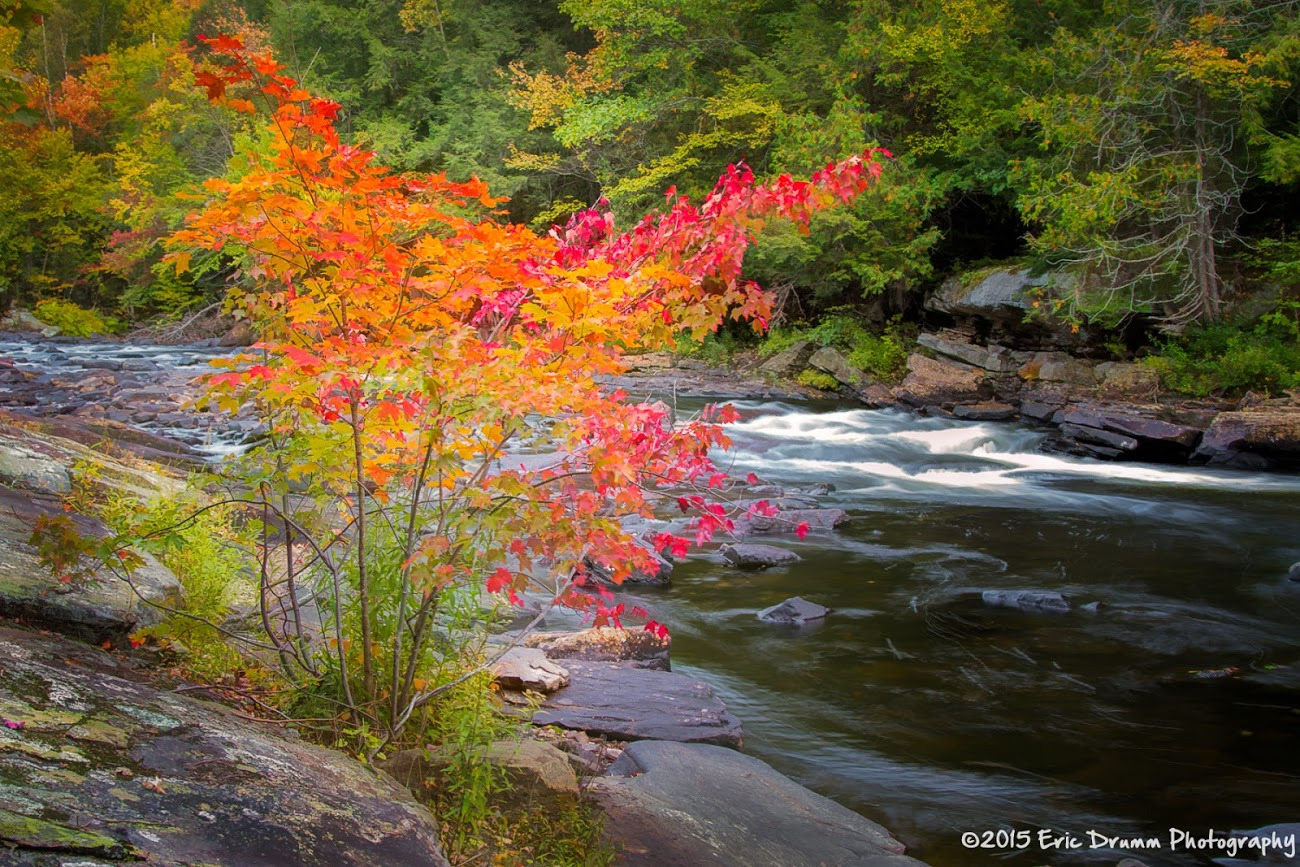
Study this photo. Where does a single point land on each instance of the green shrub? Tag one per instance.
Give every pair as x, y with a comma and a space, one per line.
881, 353
75, 321
780, 339
1228, 359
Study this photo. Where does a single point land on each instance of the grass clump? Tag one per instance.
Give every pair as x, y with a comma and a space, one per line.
485, 818
716, 349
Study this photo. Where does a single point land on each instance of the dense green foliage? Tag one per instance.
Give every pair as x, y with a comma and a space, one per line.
881, 352
72, 320
1230, 358
1153, 147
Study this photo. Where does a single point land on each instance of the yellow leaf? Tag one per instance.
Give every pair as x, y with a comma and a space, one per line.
182, 260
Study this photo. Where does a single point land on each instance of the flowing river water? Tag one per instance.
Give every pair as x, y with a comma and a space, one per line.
1171, 704
922, 707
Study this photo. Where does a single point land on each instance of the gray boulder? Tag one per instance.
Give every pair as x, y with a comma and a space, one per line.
527, 668
998, 293
937, 382
1095, 436
690, 805
789, 361
602, 574
1267, 434
1057, 367
758, 556
996, 359
999, 302
107, 769
626, 703
985, 411
538, 771
1156, 439
795, 610
1125, 379
857, 382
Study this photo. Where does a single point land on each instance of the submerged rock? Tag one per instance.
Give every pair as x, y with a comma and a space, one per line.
690, 805
796, 610
98, 766
626, 703
748, 556
789, 521
1026, 600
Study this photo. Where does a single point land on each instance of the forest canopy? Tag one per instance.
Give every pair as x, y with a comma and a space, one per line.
1155, 147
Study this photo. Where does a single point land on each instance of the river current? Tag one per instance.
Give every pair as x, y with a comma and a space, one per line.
1167, 705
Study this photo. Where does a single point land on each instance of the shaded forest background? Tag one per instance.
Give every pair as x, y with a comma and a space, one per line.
1152, 148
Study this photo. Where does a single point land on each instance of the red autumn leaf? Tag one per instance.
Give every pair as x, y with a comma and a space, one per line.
500, 580
658, 630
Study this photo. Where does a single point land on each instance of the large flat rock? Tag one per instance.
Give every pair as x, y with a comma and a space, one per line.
689, 805
1268, 432
43, 455
98, 766
104, 608
935, 381
627, 703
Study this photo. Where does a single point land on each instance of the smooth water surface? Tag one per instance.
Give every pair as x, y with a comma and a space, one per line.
920, 706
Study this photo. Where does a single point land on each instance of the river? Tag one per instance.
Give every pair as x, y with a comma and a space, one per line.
922, 707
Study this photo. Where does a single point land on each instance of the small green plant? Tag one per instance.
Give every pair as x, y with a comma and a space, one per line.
817, 379
75, 321
208, 552
484, 815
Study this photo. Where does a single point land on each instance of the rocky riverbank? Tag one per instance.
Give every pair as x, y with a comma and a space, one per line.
982, 357
105, 759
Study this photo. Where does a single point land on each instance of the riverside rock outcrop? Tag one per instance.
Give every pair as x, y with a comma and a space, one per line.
690, 805
98, 766
618, 701
1100, 409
